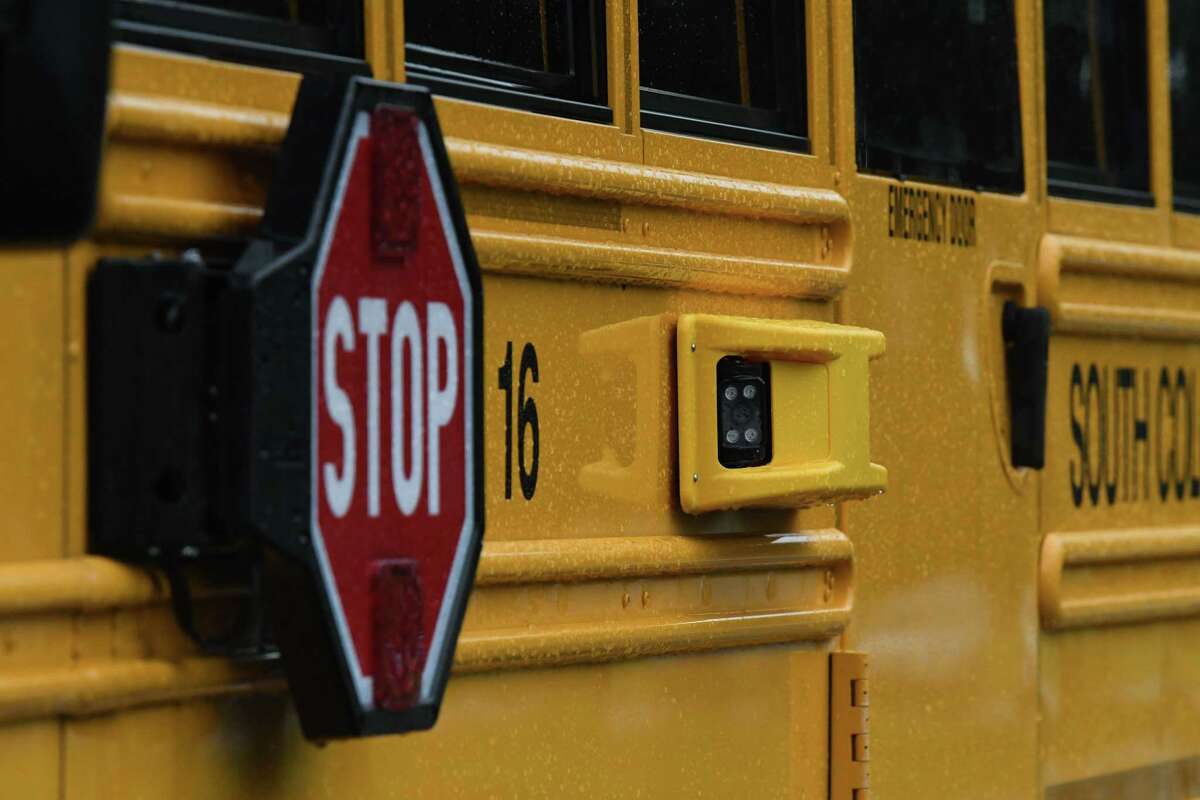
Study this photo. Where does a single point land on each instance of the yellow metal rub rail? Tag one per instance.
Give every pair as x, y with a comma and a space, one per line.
148, 194
550, 603
1102, 288
678, 594
1098, 578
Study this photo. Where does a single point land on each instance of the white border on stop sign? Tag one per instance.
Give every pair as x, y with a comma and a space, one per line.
364, 685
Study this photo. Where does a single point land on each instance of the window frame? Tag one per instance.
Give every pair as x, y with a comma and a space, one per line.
247, 38
579, 94
673, 112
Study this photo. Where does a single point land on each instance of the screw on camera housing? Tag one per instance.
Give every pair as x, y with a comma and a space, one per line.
743, 412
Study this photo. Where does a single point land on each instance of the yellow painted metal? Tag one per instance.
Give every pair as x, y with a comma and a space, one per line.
1093, 578
32, 490
1158, 294
1118, 577
805, 597
650, 266
99, 687
84, 584
31, 472
531, 170
945, 597
1167, 779
820, 413
1021, 644
527, 733
550, 561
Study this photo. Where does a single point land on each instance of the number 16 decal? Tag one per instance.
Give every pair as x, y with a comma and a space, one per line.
527, 420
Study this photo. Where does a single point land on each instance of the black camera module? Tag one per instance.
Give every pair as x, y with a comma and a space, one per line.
743, 412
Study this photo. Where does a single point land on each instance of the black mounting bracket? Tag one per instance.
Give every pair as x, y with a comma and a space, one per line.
159, 423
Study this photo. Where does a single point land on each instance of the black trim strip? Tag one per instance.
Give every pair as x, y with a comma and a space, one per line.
719, 111
1074, 190
470, 88
442, 63
1082, 182
1187, 197
738, 134
969, 176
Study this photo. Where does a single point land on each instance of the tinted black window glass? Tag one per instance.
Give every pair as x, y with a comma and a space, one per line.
301, 35
1185, 103
531, 35
727, 68
311, 12
1097, 134
936, 92
546, 55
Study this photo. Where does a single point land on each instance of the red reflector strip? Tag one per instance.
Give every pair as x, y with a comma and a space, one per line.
396, 196
396, 612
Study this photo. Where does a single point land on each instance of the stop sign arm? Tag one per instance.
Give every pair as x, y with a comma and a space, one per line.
311, 414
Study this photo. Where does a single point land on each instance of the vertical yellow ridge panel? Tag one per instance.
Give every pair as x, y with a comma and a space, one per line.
31, 404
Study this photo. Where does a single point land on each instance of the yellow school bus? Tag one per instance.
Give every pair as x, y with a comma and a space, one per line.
966, 240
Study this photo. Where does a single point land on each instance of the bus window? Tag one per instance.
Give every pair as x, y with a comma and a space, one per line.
1097, 134
539, 55
936, 92
1185, 104
729, 69
298, 35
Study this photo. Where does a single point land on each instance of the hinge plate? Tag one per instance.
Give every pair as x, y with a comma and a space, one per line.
849, 735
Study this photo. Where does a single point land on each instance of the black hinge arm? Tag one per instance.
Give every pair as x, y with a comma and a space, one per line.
1026, 334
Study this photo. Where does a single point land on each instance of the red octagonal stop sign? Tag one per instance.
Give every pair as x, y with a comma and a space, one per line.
394, 464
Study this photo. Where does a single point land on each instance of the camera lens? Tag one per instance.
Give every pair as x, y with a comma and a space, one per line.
743, 432
742, 413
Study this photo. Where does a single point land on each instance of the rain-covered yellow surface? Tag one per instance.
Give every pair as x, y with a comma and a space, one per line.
1021, 644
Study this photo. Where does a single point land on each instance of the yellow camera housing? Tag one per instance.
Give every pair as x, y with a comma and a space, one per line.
819, 413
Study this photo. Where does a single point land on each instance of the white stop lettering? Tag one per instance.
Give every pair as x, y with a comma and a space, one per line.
432, 404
